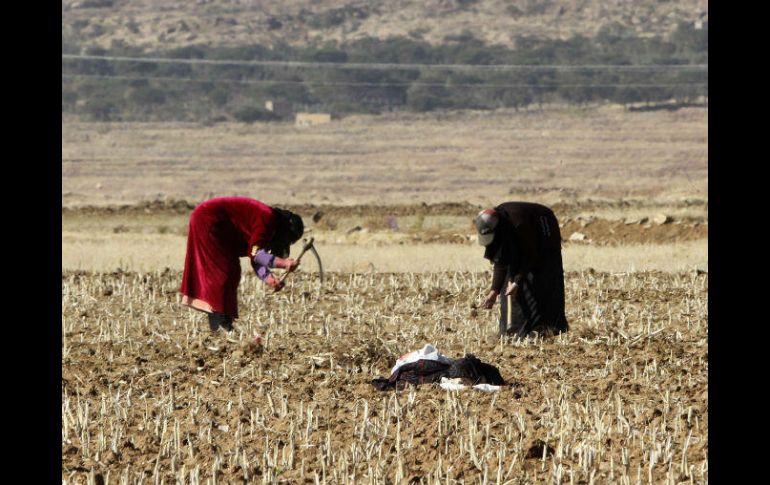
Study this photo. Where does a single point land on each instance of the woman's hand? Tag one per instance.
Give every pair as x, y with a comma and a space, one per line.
489, 301
513, 288
289, 264
274, 282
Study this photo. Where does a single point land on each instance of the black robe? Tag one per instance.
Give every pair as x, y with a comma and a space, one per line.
527, 250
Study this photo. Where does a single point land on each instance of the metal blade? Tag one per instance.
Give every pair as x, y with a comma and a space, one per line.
320, 266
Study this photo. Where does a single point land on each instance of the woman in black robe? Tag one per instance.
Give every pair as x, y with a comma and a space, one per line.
523, 241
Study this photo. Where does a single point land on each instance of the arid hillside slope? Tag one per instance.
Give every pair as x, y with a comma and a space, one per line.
160, 24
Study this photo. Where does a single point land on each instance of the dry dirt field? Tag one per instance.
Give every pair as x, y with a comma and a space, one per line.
150, 396
405, 238
558, 154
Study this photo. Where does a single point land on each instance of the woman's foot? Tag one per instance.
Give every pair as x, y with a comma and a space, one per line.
217, 320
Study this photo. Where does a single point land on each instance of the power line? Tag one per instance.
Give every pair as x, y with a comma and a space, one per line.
388, 66
372, 84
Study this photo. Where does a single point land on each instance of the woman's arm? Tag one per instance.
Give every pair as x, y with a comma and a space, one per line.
498, 277
262, 261
289, 264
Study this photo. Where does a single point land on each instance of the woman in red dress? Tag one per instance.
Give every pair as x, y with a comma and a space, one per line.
221, 231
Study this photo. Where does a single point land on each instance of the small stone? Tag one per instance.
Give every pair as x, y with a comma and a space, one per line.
661, 219
577, 236
585, 221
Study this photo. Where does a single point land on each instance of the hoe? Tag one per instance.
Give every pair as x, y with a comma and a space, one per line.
308, 246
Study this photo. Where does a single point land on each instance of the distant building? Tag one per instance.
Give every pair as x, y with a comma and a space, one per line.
307, 119
280, 108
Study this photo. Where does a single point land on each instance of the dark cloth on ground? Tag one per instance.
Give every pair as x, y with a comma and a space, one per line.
420, 372
473, 371
469, 368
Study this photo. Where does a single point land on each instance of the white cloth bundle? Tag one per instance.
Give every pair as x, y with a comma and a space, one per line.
429, 352
455, 385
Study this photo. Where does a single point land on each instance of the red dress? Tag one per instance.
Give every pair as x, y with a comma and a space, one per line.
221, 231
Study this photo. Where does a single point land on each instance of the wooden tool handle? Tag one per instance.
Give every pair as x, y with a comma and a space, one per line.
307, 246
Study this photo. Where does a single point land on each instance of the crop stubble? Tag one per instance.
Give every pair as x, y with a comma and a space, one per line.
148, 392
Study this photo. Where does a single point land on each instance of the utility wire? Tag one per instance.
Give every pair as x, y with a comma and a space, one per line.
389, 66
373, 84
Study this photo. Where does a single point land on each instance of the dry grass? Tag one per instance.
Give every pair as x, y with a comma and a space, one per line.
134, 240
484, 157
643, 257
149, 252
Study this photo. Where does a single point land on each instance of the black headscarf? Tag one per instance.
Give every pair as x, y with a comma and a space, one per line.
288, 231
503, 248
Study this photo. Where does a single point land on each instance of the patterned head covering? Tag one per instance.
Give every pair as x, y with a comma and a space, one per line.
486, 223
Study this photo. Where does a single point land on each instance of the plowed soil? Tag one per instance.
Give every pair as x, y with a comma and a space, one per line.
596, 230
148, 393
173, 206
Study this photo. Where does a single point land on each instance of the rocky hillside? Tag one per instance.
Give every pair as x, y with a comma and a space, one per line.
161, 24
